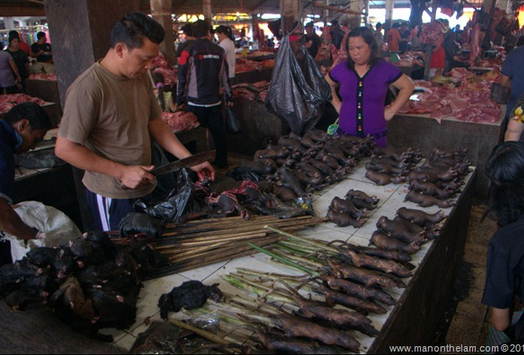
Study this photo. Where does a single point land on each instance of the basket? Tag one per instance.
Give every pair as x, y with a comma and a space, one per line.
500, 93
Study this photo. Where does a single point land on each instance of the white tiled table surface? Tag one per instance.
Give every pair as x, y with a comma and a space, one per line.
391, 198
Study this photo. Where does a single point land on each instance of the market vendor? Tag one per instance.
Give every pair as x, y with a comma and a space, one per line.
110, 117
504, 288
22, 128
512, 77
363, 81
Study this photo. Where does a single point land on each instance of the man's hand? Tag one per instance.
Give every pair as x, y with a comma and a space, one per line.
135, 176
204, 171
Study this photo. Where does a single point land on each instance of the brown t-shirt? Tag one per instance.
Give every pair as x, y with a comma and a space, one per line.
109, 115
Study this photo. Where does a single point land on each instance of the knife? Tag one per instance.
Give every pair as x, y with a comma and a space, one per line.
188, 162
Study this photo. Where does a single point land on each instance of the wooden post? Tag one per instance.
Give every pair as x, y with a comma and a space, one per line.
161, 12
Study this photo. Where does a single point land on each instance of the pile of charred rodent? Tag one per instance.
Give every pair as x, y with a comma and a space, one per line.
387, 166
438, 180
90, 284
352, 209
325, 310
409, 230
299, 166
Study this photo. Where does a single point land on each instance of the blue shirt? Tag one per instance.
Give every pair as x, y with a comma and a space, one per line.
8, 143
505, 266
514, 69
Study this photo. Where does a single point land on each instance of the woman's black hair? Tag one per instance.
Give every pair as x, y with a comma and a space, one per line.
369, 38
133, 27
505, 171
34, 113
225, 30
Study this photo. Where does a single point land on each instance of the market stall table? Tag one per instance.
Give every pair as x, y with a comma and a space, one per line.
412, 321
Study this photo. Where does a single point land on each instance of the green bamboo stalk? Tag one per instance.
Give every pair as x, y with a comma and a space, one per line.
307, 240
282, 259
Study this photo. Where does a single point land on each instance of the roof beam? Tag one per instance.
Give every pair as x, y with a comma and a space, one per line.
22, 11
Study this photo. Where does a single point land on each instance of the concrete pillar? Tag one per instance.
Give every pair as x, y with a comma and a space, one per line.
9, 23
161, 12
80, 31
326, 13
207, 11
389, 15
289, 10
357, 6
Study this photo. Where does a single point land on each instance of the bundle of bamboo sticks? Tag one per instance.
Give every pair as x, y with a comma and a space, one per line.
204, 242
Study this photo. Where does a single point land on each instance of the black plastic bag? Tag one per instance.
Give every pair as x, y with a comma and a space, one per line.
298, 91
135, 222
232, 122
181, 200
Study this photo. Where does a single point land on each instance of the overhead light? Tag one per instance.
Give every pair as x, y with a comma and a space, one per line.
270, 16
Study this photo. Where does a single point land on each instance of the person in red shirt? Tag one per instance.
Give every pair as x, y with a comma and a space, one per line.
21, 45
393, 38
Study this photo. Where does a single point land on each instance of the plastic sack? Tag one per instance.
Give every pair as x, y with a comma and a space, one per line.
180, 200
232, 122
55, 227
298, 91
135, 222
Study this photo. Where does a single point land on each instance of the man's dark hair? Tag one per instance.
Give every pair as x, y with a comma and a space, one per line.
133, 27
505, 171
200, 28
187, 29
35, 114
40, 35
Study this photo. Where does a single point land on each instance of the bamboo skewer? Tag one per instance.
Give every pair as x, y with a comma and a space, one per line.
204, 242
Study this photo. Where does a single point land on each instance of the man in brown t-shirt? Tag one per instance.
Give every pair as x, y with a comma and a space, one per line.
109, 116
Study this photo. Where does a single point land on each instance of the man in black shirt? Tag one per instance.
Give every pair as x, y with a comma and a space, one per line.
312, 40
202, 72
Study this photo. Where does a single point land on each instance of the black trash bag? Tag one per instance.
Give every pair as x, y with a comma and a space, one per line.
240, 174
232, 122
180, 201
298, 91
136, 222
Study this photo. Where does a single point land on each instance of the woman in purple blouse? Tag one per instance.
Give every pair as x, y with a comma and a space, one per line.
363, 82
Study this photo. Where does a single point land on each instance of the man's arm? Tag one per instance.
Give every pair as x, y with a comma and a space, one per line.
11, 223
505, 81
131, 176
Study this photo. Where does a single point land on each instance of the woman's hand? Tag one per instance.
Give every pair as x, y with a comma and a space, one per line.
389, 112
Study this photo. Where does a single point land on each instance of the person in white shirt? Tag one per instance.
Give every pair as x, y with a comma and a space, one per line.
227, 41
